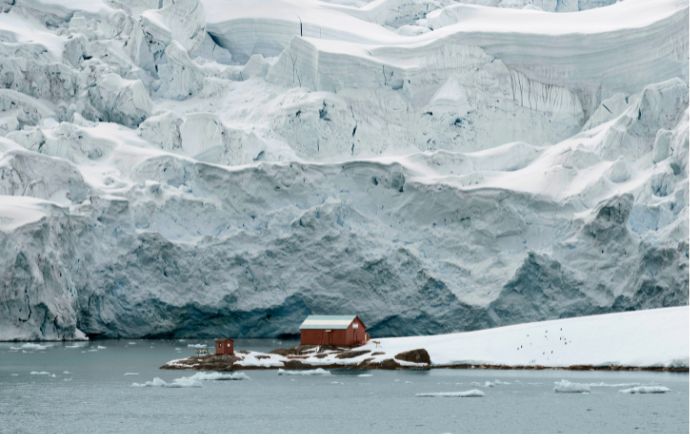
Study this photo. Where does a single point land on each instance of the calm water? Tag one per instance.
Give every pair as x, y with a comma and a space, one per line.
86, 390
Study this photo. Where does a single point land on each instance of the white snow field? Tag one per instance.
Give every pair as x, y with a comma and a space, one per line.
647, 338
226, 167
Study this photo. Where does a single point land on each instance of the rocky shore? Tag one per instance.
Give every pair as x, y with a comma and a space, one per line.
309, 357
305, 357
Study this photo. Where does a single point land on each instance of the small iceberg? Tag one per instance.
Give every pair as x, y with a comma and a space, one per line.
29, 346
645, 390
316, 372
468, 393
42, 373
203, 375
612, 385
197, 346
180, 382
565, 386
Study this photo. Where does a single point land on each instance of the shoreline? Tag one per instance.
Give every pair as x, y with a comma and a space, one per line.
309, 357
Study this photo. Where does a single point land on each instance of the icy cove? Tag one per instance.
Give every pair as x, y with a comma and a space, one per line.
114, 386
204, 168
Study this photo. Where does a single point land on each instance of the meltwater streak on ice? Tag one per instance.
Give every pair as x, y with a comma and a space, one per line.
101, 398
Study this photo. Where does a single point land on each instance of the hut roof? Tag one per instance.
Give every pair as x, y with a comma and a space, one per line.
327, 322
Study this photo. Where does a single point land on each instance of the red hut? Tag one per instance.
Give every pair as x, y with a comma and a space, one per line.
225, 347
344, 330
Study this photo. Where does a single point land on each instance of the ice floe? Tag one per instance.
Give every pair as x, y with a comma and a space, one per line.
180, 382
646, 390
468, 393
565, 386
315, 372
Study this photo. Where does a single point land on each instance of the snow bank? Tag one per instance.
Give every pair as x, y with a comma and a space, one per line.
263, 360
469, 393
656, 337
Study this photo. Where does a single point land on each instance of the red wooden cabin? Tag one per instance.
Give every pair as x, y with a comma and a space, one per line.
342, 330
225, 347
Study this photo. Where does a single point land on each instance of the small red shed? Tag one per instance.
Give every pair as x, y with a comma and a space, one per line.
343, 330
225, 347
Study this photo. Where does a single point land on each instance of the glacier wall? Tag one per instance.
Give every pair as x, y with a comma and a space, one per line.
201, 168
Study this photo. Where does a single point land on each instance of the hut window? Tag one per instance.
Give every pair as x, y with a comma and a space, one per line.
355, 326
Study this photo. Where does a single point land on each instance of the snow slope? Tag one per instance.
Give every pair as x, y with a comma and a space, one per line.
197, 168
648, 338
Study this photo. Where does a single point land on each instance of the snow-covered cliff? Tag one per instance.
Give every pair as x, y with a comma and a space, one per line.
197, 168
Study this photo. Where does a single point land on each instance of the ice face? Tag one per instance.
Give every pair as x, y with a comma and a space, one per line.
190, 169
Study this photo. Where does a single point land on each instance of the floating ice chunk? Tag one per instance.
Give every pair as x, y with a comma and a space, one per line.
132, 343
74, 346
100, 347
14, 374
214, 375
131, 373
42, 373
316, 372
645, 390
180, 382
489, 384
612, 385
365, 375
468, 393
565, 386
196, 345
66, 372
29, 346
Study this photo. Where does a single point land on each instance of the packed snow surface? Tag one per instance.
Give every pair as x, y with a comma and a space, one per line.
193, 168
646, 338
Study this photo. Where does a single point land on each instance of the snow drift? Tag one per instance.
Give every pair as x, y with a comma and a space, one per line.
196, 168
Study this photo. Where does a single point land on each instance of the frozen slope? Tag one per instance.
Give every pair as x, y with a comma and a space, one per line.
198, 168
650, 338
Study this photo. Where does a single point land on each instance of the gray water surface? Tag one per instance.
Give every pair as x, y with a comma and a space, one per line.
86, 390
